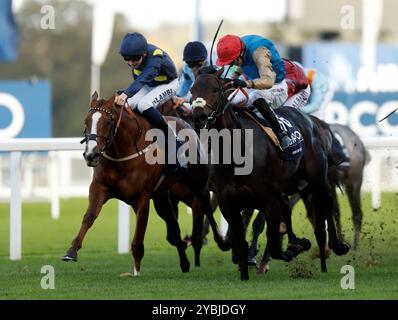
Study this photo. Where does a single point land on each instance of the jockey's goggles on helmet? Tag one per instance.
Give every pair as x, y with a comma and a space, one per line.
193, 64
132, 58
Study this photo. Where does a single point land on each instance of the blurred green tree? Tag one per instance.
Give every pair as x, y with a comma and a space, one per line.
62, 55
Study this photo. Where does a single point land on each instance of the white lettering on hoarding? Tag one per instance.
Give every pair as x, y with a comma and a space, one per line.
338, 112
17, 116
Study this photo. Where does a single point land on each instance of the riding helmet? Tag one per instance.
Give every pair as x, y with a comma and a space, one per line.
133, 44
195, 51
229, 48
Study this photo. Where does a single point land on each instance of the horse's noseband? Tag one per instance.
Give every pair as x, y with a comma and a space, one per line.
111, 133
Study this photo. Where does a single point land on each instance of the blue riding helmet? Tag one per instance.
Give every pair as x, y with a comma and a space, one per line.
133, 44
195, 51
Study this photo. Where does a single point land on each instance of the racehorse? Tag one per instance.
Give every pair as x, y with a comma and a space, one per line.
347, 176
116, 148
271, 176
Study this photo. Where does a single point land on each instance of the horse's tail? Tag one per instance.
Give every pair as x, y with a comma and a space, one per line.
368, 157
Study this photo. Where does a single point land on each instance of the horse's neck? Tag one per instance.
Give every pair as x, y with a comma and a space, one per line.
130, 136
228, 120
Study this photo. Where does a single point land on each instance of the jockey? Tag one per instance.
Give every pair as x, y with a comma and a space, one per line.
265, 70
322, 93
298, 87
194, 57
155, 80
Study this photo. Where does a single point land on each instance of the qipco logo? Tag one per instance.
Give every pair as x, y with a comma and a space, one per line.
363, 117
11, 103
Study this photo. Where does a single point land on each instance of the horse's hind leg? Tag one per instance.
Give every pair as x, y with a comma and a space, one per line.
296, 245
354, 196
337, 214
273, 218
203, 196
313, 203
141, 209
97, 197
165, 211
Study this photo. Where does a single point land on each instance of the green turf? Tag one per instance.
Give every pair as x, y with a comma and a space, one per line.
96, 274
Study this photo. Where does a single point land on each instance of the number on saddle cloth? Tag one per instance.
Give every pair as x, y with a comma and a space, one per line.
296, 147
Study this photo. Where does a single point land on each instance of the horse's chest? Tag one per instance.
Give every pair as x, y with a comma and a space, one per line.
127, 185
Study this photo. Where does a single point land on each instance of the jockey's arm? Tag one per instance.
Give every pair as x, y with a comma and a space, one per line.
185, 81
147, 75
319, 93
262, 59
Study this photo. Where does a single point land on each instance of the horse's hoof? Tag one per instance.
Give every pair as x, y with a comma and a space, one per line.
225, 245
185, 267
136, 273
244, 275
71, 255
287, 256
341, 249
305, 244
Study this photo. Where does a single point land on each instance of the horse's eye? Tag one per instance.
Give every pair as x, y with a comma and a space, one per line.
215, 90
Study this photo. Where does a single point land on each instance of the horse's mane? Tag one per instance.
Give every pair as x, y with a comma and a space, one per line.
207, 70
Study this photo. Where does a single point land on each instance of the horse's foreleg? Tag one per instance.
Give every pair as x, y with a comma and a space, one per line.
296, 245
141, 209
354, 197
97, 197
165, 211
234, 219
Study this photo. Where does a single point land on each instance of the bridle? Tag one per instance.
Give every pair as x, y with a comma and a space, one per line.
219, 106
110, 137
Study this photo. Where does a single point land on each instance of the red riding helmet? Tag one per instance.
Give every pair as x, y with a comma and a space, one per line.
229, 48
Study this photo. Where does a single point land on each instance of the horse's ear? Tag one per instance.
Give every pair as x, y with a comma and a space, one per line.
220, 72
94, 97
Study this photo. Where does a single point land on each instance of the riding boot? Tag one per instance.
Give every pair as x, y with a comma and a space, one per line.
269, 115
156, 119
339, 153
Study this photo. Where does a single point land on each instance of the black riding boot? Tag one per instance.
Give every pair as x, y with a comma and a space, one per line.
270, 116
156, 119
340, 156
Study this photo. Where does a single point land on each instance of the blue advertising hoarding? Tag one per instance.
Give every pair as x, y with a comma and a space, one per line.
25, 109
362, 112
361, 99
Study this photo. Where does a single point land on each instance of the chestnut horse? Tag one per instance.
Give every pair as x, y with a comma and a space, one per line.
116, 148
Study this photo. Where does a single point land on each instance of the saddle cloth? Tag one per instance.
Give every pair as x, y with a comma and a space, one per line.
296, 148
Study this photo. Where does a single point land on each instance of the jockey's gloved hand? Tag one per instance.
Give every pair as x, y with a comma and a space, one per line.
238, 83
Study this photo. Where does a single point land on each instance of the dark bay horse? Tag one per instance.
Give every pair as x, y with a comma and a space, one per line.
270, 178
348, 177
116, 148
